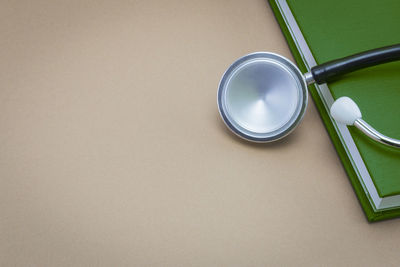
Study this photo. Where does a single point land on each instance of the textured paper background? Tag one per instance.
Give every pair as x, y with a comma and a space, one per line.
112, 152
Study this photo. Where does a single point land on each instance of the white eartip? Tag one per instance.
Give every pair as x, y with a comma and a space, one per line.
344, 110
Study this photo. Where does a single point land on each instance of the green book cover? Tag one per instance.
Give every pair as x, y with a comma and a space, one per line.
320, 31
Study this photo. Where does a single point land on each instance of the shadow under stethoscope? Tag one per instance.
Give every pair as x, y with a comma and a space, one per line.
277, 144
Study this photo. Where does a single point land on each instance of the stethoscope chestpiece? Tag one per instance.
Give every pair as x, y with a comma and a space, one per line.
262, 97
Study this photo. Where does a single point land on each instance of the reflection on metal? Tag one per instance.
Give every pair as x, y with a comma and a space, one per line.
375, 135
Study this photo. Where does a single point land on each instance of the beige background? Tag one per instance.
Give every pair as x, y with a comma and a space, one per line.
112, 152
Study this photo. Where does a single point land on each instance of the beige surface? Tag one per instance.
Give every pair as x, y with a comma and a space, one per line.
112, 151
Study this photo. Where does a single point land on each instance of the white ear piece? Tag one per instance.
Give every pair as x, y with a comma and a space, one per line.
344, 110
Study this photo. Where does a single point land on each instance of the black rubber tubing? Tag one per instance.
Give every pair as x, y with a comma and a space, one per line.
332, 69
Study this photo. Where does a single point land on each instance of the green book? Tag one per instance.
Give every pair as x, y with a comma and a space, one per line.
320, 31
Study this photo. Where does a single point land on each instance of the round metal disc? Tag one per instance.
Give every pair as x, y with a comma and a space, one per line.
262, 97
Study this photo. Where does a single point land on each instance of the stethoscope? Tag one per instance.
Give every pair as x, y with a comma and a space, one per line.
262, 96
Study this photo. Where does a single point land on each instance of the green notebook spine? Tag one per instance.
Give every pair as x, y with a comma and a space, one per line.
369, 211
